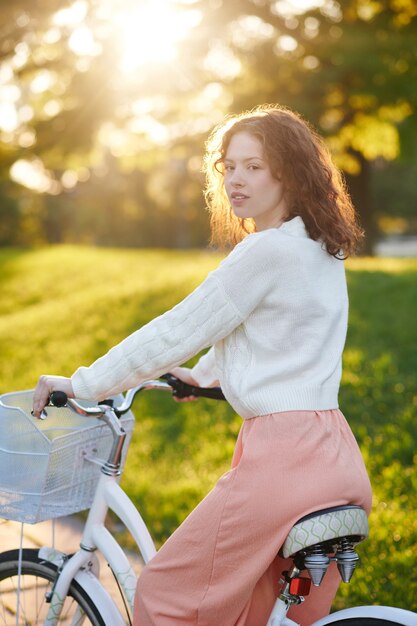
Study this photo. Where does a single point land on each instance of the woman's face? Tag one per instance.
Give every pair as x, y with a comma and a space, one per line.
252, 190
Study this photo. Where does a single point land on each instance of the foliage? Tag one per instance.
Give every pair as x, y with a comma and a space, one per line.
89, 130
346, 66
65, 306
399, 208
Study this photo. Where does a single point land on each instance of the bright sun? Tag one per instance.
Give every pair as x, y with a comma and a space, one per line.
151, 31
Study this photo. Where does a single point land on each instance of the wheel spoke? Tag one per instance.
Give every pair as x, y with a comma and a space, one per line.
36, 580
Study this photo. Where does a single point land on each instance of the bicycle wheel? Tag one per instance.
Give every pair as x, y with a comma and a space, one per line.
365, 621
36, 579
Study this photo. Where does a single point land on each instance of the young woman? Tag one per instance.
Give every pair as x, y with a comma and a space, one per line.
275, 314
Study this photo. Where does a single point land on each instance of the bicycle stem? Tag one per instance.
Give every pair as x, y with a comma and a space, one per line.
112, 465
110, 417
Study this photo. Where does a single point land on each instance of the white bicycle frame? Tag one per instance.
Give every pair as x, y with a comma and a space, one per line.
109, 495
83, 566
408, 618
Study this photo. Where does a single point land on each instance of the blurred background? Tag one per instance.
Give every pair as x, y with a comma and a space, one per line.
105, 106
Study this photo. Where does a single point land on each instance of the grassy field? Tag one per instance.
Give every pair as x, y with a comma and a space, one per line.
65, 306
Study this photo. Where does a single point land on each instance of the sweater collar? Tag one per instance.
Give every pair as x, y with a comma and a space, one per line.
294, 227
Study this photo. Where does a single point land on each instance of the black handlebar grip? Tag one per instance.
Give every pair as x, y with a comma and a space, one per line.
215, 393
58, 398
183, 390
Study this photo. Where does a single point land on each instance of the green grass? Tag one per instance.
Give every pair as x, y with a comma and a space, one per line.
65, 306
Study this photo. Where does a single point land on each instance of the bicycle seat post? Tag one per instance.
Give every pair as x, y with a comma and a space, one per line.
112, 465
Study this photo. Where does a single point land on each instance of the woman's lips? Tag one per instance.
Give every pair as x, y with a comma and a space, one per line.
237, 198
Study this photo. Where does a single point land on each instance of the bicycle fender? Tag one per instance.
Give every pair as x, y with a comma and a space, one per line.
102, 599
91, 585
400, 616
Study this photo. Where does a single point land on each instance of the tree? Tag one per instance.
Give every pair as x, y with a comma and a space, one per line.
73, 112
349, 67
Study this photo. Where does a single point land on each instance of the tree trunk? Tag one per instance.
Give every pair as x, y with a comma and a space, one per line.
360, 191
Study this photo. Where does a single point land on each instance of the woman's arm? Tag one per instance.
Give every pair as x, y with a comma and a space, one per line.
203, 374
184, 374
46, 385
210, 313
205, 371
204, 317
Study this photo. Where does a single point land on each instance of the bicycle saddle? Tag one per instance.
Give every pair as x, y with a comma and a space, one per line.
327, 525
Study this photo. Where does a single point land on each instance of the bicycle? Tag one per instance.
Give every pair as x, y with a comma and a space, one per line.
47, 587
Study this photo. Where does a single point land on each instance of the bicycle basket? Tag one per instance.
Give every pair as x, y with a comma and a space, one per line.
50, 468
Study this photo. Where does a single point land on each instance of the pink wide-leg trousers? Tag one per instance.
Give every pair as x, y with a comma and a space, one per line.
220, 567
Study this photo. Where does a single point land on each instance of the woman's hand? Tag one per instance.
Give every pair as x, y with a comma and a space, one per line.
184, 374
46, 385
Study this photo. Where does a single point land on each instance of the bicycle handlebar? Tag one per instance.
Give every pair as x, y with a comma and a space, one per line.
184, 390
177, 387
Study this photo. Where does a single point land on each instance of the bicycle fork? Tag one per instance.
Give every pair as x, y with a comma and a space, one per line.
67, 570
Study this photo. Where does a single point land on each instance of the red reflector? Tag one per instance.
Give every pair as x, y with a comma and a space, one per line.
300, 586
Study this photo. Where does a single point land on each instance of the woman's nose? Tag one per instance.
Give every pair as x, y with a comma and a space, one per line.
237, 178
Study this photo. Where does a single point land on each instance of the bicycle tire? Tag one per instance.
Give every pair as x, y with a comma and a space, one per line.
36, 578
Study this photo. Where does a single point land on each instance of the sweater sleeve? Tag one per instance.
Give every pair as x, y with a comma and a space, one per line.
204, 317
208, 314
205, 372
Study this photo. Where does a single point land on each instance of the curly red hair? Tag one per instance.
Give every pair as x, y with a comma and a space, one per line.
297, 155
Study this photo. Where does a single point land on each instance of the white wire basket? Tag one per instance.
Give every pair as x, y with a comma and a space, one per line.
50, 468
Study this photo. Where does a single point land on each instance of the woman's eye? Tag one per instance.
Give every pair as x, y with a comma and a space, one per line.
228, 168
254, 167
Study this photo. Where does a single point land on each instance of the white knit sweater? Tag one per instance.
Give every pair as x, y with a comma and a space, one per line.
275, 311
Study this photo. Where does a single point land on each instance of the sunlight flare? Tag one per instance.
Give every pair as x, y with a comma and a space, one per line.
152, 31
